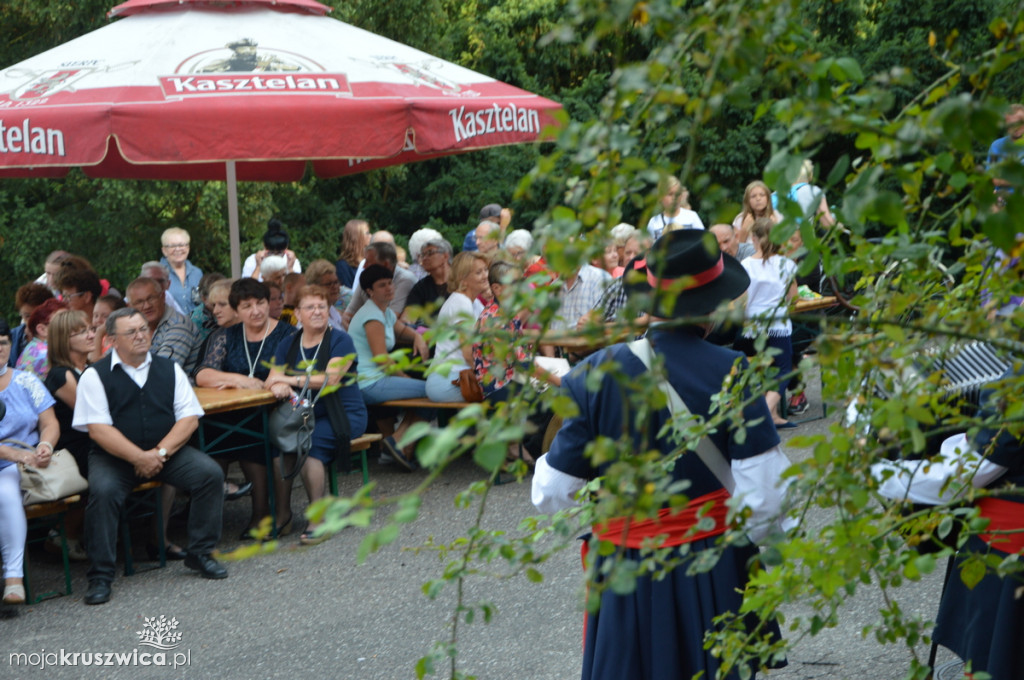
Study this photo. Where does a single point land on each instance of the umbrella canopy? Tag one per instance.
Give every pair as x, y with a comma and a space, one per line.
250, 90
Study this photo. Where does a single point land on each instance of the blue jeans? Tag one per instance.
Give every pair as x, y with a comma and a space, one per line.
394, 387
440, 387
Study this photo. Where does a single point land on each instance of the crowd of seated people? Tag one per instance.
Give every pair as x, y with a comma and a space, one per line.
347, 318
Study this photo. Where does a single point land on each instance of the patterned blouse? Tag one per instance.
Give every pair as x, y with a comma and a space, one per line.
495, 358
33, 359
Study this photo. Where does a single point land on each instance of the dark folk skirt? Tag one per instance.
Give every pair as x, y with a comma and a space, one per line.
984, 626
657, 632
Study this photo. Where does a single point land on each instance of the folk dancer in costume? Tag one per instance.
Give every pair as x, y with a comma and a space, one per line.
657, 631
984, 626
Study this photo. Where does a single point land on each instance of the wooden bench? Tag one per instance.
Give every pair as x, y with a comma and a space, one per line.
425, 403
358, 446
46, 516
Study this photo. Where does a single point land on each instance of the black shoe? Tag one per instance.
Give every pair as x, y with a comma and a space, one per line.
243, 490
206, 566
98, 593
397, 454
171, 552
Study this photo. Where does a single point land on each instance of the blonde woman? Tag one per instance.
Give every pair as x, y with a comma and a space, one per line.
354, 240
757, 202
675, 210
467, 281
175, 244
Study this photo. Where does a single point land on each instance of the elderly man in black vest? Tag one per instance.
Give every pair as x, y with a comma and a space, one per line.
140, 412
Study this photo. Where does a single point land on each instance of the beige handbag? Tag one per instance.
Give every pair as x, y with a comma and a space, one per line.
57, 480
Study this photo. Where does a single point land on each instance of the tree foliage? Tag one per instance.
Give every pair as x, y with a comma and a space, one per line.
897, 103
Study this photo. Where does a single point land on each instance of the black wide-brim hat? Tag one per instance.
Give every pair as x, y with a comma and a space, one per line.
687, 274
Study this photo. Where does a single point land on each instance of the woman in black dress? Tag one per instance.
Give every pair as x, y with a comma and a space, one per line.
70, 341
239, 356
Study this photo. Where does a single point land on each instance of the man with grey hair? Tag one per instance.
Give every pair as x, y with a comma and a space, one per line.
174, 335
382, 253
140, 412
156, 271
488, 237
379, 236
491, 213
431, 291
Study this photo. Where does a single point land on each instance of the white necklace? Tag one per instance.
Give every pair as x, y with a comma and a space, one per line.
310, 365
245, 343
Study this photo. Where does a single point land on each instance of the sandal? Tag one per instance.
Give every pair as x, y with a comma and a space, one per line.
14, 593
310, 537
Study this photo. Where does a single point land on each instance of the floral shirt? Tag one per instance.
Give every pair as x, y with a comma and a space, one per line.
33, 359
494, 363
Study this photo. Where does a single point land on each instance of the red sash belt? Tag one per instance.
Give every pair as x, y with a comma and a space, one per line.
1003, 516
676, 525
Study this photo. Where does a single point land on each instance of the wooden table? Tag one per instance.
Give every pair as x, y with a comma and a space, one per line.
215, 400
812, 304
213, 432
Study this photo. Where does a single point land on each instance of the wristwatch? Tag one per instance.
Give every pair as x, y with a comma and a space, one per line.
162, 452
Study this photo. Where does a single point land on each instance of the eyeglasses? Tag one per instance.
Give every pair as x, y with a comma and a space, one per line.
330, 283
84, 331
311, 309
134, 332
176, 246
147, 301
429, 253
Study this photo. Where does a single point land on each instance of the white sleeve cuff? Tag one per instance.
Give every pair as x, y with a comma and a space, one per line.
554, 490
760, 487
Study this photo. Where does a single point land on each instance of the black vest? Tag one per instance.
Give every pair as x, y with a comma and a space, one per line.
146, 415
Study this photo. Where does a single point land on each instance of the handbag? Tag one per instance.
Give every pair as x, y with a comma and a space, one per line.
290, 426
469, 385
60, 479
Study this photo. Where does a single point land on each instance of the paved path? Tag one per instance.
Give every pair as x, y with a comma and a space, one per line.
315, 613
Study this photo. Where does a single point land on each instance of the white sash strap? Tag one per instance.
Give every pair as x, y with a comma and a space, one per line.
706, 449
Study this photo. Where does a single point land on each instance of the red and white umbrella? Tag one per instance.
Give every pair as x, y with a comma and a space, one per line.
246, 90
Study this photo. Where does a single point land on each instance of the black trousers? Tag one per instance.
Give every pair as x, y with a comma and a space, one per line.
111, 479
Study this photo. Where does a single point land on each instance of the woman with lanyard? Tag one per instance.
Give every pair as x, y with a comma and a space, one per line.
240, 356
296, 361
657, 630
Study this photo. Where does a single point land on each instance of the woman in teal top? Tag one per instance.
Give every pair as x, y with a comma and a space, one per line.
374, 329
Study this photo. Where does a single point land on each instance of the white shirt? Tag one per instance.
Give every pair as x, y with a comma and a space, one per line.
770, 281
686, 219
250, 266
91, 407
456, 311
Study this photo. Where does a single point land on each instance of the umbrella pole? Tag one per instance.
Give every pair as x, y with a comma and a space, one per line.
236, 254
